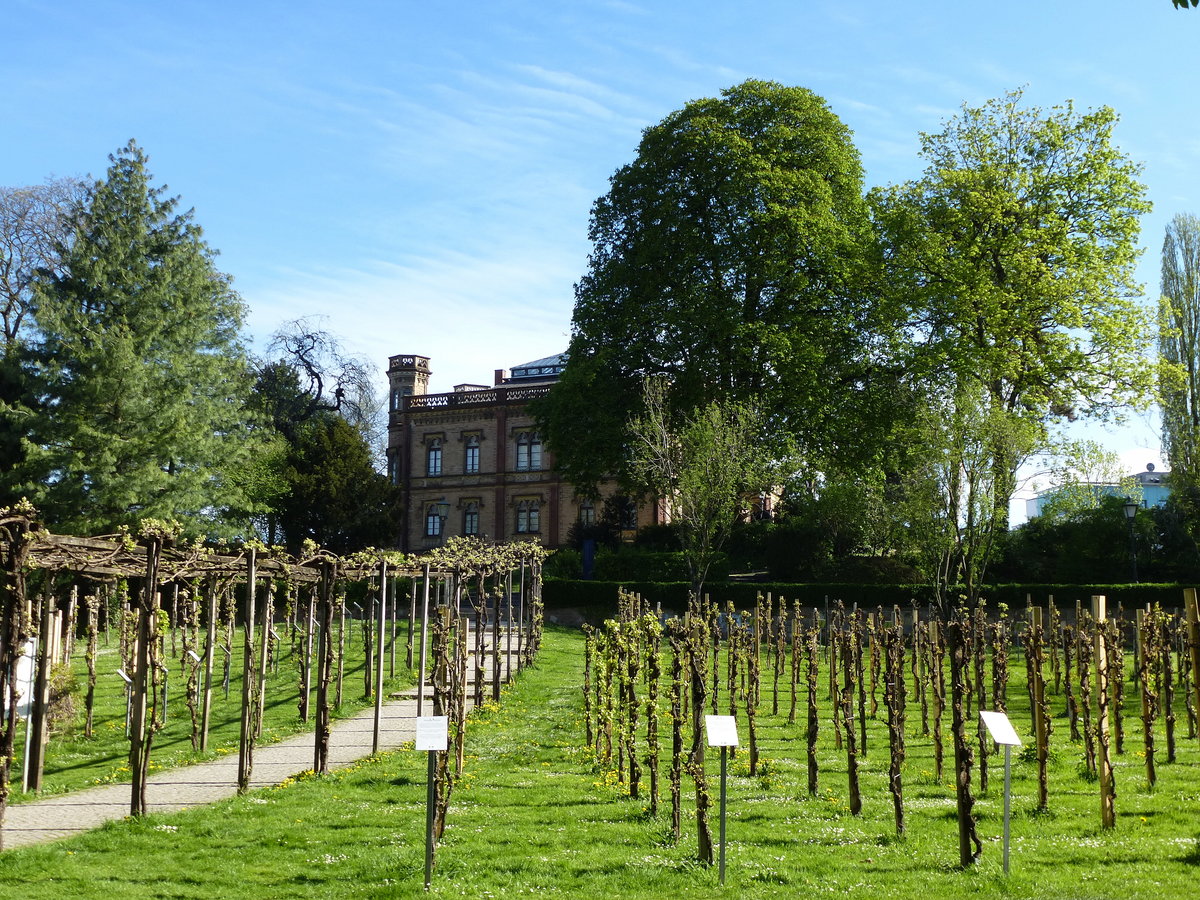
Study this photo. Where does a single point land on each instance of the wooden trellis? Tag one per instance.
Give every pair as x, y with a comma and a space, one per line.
156, 559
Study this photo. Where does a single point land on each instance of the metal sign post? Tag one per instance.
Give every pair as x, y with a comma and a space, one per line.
722, 732
433, 736
1003, 733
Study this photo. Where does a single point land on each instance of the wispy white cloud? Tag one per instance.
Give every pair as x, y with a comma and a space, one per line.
471, 313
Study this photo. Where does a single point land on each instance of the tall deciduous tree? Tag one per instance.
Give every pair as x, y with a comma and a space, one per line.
1016, 250
1179, 347
35, 223
726, 256
140, 372
704, 466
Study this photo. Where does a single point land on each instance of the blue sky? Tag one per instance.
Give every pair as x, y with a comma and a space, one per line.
421, 173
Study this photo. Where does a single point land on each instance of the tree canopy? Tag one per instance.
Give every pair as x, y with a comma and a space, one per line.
1014, 255
1179, 347
727, 257
138, 371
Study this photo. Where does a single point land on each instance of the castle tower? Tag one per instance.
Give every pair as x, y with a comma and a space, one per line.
407, 376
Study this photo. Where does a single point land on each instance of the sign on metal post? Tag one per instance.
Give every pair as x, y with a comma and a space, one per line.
1002, 732
433, 735
722, 732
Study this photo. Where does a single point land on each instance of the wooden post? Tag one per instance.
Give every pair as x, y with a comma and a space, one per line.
412, 615
36, 735
246, 733
141, 731
324, 668
1108, 816
424, 644
264, 653
1193, 626
210, 648
1041, 734
383, 582
392, 628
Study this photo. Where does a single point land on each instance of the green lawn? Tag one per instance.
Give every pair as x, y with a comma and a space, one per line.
532, 816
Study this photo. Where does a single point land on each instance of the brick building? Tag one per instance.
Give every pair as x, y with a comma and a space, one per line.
471, 461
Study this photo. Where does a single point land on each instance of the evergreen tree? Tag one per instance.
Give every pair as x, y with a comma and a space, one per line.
332, 494
139, 371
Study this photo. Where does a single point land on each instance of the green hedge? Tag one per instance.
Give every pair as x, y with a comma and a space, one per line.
631, 564
602, 595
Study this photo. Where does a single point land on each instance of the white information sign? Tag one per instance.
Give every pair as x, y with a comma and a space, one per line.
722, 731
1000, 728
433, 732
24, 673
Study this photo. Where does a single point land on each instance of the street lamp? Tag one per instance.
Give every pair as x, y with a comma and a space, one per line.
1131, 507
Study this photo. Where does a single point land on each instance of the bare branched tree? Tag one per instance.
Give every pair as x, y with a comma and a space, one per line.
327, 378
35, 223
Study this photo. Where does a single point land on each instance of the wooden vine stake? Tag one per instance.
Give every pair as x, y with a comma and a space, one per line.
1108, 815
246, 734
1041, 718
849, 653
1193, 626
893, 698
813, 730
142, 720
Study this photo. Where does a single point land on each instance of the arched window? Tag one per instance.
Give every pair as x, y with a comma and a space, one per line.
528, 517
433, 457
471, 458
433, 521
471, 518
529, 452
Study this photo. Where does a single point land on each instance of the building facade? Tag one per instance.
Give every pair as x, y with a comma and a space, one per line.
471, 461
1155, 490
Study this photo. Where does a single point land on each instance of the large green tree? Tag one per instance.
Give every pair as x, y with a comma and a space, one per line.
1015, 253
139, 372
727, 257
1179, 347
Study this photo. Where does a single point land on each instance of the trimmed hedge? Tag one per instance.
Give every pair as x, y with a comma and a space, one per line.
602, 595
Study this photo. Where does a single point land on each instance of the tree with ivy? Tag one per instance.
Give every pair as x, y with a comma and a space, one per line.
138, 369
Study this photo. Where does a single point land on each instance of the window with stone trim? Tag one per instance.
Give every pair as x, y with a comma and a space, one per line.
471, 454
529, 520
471, 517
433, 457
529, 451
433, 521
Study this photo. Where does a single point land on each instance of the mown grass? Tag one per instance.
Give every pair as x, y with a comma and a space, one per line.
74, 761
533, 815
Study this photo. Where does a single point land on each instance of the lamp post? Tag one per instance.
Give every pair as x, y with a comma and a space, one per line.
1131, 507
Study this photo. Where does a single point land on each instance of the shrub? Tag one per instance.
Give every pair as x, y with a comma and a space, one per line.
60, 714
